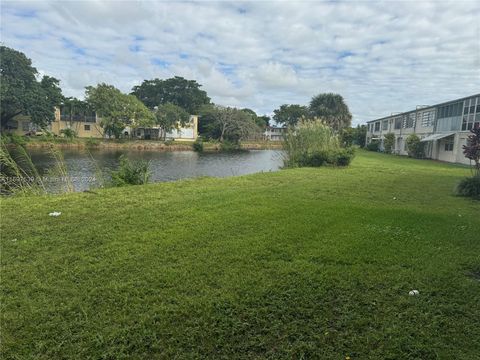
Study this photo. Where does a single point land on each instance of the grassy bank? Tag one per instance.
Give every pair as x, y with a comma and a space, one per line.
302, 263
82, 143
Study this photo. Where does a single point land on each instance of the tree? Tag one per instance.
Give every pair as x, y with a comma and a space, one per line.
347, 136
177, 90
231, 124
415, 147
289, 115
332, 109
261, 121
170, 116
361, 135
389, 142
22, 93
117, 110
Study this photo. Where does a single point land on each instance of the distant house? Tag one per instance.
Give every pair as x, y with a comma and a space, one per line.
87, 125
188, 132
84, 125
443, 127
274, 133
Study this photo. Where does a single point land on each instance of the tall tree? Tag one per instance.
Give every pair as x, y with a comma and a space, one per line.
117, 110
261, 121
22, 93
177, 90
231, 124
332, 109
289, 115
170, 116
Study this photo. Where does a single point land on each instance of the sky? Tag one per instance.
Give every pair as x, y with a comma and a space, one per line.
382, 57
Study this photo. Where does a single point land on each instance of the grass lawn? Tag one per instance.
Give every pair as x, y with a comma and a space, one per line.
302, 263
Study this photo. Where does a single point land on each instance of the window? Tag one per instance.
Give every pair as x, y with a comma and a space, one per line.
385, 125
449, 144
398, 123
427, 118
409, 120
377, 126
86, 127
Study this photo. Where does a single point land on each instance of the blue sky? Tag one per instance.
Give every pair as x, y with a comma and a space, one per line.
383, 57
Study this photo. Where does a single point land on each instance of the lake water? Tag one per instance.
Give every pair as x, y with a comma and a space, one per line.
164, 166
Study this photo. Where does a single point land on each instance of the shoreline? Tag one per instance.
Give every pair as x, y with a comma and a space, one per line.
143, 145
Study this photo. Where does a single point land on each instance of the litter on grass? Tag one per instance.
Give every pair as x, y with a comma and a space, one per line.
55, 213
414, 293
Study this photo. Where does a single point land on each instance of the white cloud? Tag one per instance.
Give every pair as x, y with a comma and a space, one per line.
381, 56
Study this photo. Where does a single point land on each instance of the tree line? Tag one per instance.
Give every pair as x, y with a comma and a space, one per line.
166, 103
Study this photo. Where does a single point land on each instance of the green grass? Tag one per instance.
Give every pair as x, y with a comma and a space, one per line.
302, 263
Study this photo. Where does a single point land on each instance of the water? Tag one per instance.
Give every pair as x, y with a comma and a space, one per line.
164, 166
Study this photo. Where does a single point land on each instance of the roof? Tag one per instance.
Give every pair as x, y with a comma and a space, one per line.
435, 137
424, 108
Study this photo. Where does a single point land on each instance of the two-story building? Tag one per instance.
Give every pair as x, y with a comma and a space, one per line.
274, 133
87, 124
443, 127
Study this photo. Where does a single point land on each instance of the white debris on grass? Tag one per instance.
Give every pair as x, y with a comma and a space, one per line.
414, 293
55, 213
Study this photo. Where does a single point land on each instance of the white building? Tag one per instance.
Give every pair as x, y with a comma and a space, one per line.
444, 127
274, 133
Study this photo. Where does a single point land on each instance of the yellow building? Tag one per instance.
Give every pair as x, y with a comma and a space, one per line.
87, 125
84, 125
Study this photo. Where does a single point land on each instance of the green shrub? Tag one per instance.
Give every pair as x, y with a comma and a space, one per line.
469, 187
92, 142
227, 145
310, 143
130, 173
415, 147
344, 157
374, 145
168, 142
389, 142
14, 139
198, 145
68, 133
336, 157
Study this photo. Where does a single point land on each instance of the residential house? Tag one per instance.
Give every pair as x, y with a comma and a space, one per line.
274, 133
443, 127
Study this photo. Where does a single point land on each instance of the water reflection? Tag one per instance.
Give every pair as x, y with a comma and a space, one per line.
83, 166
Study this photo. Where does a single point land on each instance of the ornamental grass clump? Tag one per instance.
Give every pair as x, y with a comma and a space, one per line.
313, 143
130, 173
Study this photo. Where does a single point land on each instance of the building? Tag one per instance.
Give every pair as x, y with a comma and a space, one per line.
187, 132
86, 124
274, 133
443, 127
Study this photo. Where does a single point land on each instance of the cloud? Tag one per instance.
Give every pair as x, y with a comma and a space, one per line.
382, 57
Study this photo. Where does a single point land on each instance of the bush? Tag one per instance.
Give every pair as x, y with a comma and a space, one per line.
129, 173
469, 187
92, 142
415, 147
198, 145
227, 145
337, 157
374, 145
389, 142
68, 133
14, 139
313, 143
